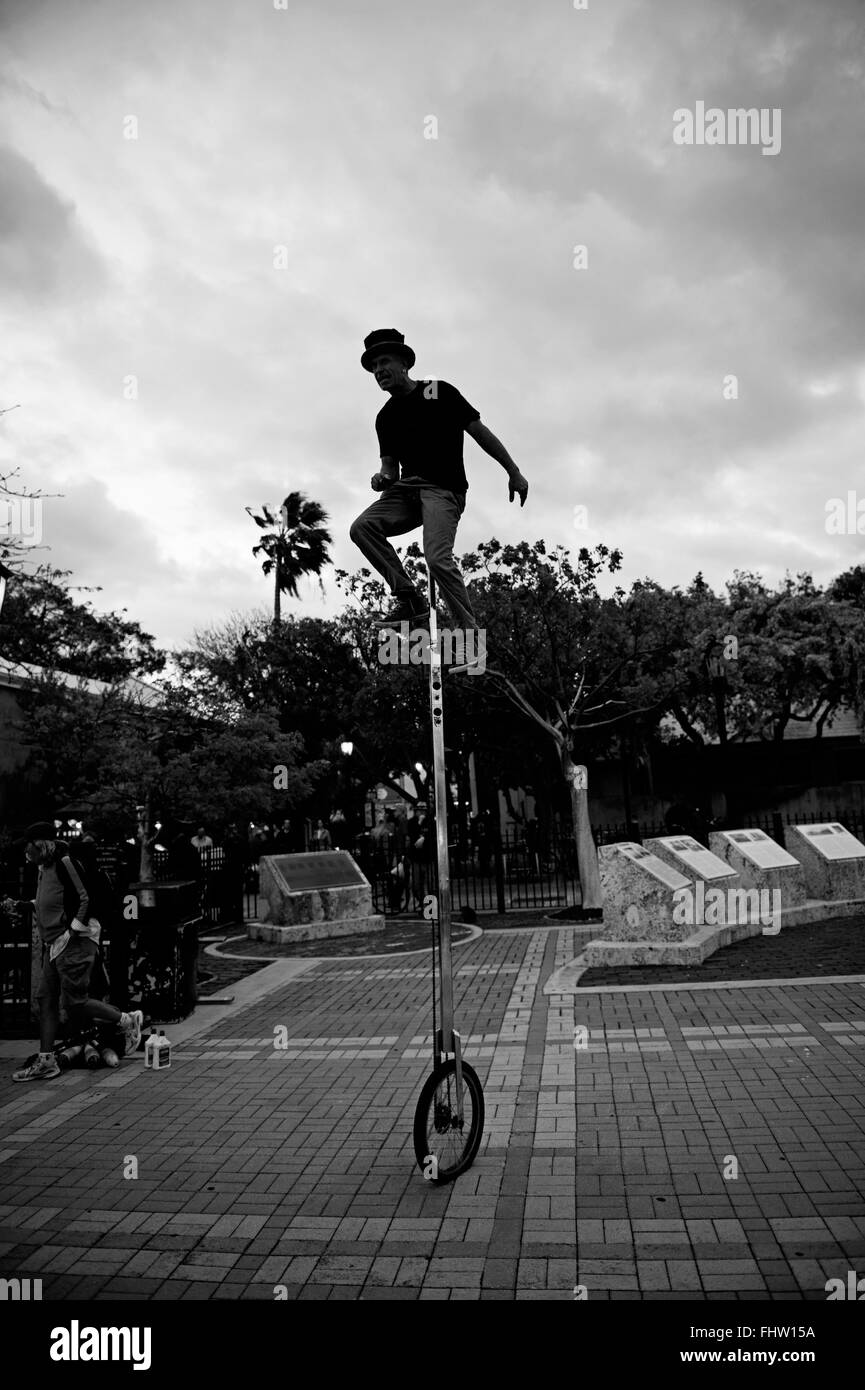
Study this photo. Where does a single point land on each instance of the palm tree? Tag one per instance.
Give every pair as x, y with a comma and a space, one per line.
296, 545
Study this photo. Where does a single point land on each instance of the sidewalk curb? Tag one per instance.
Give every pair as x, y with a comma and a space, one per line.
476, 933
565, 981
246, 992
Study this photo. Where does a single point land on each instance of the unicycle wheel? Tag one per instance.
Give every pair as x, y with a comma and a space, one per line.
444, 1144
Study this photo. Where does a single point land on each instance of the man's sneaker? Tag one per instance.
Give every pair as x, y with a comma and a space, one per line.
132, 1033
410, 609
43, 1069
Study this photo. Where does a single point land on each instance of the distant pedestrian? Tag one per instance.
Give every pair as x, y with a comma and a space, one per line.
421, 833
201, 840
69, 932
532, 830
685, 818
184, 860
321, 836
398, 883
381, 831
234, 866
338, 828
282, 838
482, 835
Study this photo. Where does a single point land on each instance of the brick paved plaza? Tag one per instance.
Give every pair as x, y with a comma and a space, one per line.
263, 1168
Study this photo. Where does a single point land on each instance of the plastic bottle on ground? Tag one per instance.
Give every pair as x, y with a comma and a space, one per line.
162, 1053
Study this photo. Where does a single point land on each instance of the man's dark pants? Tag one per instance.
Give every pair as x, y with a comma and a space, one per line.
402, 507
64, 989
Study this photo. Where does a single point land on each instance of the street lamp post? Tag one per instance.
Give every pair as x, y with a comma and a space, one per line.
346, 747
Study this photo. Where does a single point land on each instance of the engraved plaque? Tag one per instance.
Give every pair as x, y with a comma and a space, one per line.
833, 841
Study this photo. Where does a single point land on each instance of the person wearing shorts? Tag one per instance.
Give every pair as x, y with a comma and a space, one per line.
69, 936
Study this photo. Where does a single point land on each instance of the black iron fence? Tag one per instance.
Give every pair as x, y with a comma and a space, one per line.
508, 873
16, 931
499, 874
227, 886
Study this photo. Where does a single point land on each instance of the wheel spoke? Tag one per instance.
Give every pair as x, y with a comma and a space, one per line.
453, 1143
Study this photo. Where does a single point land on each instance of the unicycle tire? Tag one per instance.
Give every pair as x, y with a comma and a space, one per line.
438, 1135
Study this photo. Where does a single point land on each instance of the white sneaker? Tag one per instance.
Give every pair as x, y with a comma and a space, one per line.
132, 1033
43, 1069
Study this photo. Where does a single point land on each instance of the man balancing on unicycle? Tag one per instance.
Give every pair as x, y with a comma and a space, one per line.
420, 435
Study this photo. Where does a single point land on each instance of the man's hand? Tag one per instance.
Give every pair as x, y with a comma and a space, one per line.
518, 486
379, 481
59, 946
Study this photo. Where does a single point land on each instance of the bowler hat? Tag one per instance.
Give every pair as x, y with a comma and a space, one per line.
383, 340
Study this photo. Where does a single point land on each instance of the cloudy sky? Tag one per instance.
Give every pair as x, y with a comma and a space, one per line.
306, 128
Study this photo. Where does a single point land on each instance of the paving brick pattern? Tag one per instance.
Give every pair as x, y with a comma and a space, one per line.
692, 1145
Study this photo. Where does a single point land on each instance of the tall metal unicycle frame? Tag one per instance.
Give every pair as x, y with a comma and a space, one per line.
449, 1118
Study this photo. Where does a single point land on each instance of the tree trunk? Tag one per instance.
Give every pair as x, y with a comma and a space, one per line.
710, 786
625, 768
145, 866
721, 712
587, 855
277, 594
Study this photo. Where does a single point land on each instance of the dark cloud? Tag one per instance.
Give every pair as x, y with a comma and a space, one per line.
44, 253
99, 541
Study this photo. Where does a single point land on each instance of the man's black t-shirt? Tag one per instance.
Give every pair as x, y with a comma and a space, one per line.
423, 431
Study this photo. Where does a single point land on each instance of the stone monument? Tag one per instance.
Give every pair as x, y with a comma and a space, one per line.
638, 893
710, 874
833, 860
312, 896
761, 864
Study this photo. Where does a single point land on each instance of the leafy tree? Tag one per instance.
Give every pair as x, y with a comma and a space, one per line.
849, 587
119, 757
305, 670
793, 654
295, 545
547, 656
45, 625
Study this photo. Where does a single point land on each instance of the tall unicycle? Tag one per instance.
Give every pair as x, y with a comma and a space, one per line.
449, 1118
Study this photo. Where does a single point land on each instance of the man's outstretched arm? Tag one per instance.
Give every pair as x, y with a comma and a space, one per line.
496, 449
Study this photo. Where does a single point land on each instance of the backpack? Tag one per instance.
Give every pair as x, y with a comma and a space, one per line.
101, 890
98, 887
71, 900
